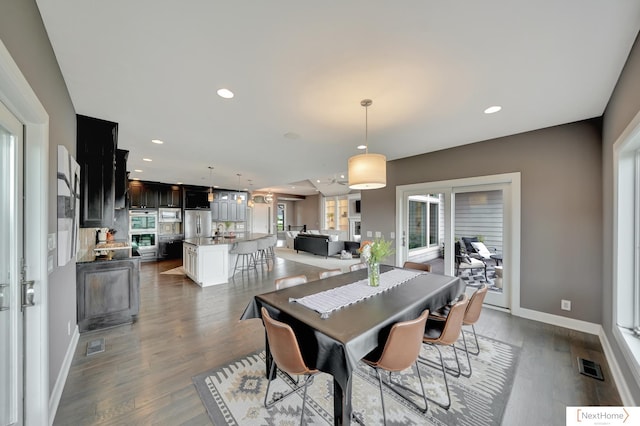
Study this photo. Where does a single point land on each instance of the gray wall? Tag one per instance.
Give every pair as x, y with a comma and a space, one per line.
308, 212
623, 106
561, 208
22, 32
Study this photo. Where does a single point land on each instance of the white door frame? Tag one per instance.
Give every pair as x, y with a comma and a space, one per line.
19, 98
512, 222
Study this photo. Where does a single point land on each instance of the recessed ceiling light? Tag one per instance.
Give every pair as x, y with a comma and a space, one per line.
318, 180
492, 109
225, 93
147, 159
216, 186
135, 178
362, 147
157, 141
341, 176
138, 171
178, 183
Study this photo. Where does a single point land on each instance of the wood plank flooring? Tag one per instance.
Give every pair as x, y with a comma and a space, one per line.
144, 375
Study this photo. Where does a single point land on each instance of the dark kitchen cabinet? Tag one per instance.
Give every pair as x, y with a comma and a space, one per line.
196, 198
170, 196
170, 247
143, 195
96, 154
121, 179
108, 293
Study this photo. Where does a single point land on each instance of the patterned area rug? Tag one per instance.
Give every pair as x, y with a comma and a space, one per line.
233, 394
475, 277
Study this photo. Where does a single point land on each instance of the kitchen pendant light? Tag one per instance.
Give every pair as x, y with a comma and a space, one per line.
210, 193
239, 199
367, 171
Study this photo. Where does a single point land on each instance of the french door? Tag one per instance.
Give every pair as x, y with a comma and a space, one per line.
11, 255
432, 217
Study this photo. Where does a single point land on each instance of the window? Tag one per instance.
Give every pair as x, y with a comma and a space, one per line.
626, 262
280, 218
424, 221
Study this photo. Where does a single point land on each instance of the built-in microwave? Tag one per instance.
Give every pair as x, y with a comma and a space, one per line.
169, 214
141, 220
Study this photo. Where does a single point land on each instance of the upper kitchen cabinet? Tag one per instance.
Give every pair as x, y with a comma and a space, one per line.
170, 196
195, 197
121, 179
96, 151
225, 206
143, 195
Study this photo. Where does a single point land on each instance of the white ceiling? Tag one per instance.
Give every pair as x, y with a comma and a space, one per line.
300, 69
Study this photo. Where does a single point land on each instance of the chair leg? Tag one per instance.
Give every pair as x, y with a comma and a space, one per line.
466, 351
475, 336
384, 414
444, 374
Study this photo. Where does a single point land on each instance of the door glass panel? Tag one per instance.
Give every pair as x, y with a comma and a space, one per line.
479, 225
8, 283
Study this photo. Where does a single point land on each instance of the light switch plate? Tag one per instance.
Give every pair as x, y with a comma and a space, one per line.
51, 241
392, 235
50, 263
378, 234
369, 234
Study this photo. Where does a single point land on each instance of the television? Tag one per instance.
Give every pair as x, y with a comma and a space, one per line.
357, 206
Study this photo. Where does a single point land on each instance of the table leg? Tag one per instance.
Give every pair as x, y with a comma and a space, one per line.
342, 403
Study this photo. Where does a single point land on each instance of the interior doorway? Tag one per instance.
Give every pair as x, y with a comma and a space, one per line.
434, 219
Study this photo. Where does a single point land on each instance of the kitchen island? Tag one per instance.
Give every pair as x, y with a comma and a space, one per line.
208, 261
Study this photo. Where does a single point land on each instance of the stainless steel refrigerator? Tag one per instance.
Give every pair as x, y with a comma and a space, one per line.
197, 223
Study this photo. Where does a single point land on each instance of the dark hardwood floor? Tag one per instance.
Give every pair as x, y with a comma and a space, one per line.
144, 375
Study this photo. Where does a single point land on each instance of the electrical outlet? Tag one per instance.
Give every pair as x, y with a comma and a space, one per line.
378, 234
565, 305
369, 234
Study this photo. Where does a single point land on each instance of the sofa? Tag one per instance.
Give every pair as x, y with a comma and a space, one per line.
322, 245
290, 236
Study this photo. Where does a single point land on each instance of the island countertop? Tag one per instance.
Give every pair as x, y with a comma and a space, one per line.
215, 241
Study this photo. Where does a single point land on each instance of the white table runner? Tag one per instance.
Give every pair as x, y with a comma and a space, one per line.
328, 301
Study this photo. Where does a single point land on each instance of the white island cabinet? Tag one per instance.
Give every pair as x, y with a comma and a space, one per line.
206, 264
210, 261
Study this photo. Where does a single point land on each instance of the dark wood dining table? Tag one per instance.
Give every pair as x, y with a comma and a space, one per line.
336, 344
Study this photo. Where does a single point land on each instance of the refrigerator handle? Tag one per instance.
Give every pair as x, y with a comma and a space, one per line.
198, 224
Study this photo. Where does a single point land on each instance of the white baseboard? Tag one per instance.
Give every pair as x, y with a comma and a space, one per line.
570, 323
590, 328
56, 392
618, 378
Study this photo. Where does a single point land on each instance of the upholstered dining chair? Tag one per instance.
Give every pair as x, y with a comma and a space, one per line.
417, 266
400, 351
290, 281
471, 316
445, 333
287, 357
329, 273
357, 266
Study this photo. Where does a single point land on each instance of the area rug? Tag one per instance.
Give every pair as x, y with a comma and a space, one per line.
233, 394
175, 271
315, 260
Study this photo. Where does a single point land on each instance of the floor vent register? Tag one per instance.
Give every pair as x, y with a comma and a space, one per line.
95, 346
590, 369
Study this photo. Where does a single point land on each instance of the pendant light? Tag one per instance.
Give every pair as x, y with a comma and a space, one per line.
238, 198
250, 202
210, 193
367, 171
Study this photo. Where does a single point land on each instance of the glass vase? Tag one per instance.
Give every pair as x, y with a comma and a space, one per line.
373, 271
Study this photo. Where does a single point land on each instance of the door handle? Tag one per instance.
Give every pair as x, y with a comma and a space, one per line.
28, 293
3, 298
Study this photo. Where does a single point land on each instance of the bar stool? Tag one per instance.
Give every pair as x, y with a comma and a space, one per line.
262, 255
273, 241
246, 250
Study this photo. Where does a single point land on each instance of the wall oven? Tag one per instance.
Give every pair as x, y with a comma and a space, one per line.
143, 233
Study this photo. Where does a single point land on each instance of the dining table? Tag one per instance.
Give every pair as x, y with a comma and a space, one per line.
334, 339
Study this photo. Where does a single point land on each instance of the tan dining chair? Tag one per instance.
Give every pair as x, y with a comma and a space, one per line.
287, 357
400, 351
290, 281
329, 273
471, 316
417, 266
357, 266
445, 333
